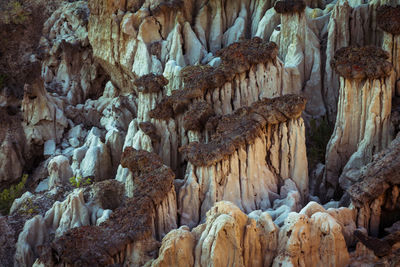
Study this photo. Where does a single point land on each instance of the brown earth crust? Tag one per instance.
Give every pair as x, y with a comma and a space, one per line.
108, 194
288, 6
166, 7
149, 129
150, 83
196, 117
368, 62
380, 175
242, 127
97, 245
236, 58
388, 19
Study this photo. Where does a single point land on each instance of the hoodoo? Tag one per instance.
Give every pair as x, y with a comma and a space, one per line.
199, 133
363, 120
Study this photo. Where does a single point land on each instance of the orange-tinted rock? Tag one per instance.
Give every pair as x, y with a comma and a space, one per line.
361, 62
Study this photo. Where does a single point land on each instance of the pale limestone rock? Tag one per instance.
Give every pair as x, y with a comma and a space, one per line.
345, 217
97, 160
68, 214
268, 23
227, 238
115, 142
245, 178
33, 234
59, 171
303, 241
43, 115
166, 215
338, 37
362, 128
299, 49
49, 148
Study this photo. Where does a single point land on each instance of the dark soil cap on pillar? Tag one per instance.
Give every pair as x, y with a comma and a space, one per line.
388, 19
287, 6
242, 127
368, 62
236, 58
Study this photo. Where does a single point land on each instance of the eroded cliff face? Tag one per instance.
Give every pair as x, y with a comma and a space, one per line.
184, 126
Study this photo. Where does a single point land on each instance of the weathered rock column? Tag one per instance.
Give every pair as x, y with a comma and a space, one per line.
363, 121
388, 19
250, 155
299, 49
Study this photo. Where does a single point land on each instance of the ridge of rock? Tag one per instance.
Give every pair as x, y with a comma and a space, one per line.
244, 125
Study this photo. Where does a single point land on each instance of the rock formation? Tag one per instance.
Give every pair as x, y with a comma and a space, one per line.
179, 133
389, 22
241, 161
69, 68
363, 121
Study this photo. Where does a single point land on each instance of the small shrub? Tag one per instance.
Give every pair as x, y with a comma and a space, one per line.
28, 208
79, 181
14, 13
7, 196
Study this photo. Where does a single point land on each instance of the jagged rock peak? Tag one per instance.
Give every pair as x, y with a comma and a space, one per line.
361, 62
241, 127
388, 19
289, 6
236, 58
128, 224
151, 83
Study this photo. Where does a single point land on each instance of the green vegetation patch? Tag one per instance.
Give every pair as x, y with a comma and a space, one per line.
8, 195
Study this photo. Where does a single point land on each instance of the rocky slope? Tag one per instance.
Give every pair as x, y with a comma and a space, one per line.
178, 133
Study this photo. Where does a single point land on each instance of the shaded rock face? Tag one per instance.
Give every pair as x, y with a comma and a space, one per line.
69, 68
388, 19
13, 147
283, 7
20, 31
